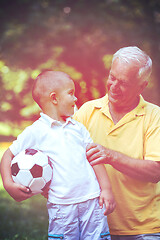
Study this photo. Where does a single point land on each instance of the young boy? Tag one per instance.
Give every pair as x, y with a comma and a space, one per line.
74, 195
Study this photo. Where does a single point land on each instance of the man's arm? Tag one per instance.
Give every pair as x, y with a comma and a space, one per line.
143, 170
106, 196
17, 192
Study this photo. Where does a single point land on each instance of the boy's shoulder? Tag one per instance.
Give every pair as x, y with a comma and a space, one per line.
34, 124
78, 125
32, 127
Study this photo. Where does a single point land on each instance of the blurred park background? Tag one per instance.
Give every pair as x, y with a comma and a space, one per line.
78, 37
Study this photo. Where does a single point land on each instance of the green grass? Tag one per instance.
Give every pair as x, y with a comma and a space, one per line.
27, 220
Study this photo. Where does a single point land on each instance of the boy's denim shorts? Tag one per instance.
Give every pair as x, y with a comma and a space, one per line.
82, 221
152, 236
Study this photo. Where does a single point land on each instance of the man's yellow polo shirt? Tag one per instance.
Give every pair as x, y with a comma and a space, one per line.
137, 135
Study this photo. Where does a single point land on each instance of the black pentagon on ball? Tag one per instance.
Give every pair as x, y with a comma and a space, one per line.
36, 171
30, 151
14, 169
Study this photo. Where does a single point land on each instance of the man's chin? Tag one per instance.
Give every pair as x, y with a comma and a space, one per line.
113, 99
115, 102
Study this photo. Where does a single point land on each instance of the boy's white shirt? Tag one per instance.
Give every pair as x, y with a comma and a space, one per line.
74, 179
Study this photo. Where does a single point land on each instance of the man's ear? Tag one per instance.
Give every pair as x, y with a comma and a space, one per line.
143, 85
53, 97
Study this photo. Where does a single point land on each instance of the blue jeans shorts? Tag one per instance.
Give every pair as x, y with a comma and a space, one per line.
152, 236
82, 221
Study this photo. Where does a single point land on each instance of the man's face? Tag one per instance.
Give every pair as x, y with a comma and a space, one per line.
123, 85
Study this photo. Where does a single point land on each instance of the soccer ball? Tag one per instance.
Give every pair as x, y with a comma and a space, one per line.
32, 168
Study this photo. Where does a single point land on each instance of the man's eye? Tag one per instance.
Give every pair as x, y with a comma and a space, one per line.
124, 84
112, 77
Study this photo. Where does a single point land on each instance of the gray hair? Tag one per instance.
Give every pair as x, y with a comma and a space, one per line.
139, 57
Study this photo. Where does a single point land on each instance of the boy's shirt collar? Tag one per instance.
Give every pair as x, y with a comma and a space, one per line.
52, 122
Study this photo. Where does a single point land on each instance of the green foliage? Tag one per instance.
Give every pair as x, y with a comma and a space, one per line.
78, 37
27, 220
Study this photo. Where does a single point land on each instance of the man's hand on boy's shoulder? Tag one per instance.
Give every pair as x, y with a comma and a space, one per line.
107, 198
18, 192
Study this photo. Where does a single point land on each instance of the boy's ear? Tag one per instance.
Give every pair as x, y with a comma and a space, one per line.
53, 97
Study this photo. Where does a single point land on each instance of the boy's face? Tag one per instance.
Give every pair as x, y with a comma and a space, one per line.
66, 99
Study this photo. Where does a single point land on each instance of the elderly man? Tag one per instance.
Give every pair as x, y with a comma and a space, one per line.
126, 132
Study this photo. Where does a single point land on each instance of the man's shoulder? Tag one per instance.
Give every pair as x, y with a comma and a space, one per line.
152, 114
151, 108
98, 103
88, 108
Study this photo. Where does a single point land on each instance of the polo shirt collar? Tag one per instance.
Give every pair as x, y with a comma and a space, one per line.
51, 122
101, 102
140, 109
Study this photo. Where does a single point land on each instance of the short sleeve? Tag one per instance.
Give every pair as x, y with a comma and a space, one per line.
152, 138
86, 135
24, 140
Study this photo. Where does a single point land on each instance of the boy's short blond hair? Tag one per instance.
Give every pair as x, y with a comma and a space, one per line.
45, 83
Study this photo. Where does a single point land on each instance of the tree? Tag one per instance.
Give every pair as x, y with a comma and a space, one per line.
78, 37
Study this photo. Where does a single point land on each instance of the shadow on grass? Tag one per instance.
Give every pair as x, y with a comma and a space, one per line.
27, 220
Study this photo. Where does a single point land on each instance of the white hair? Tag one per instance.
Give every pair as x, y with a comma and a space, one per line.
139, 57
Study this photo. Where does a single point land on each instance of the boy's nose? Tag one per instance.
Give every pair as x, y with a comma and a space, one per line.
75, 99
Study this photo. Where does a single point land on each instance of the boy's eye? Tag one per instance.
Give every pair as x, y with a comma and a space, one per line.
71, 93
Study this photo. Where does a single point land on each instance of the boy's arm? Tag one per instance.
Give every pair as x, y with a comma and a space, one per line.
106, 196
17, 192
